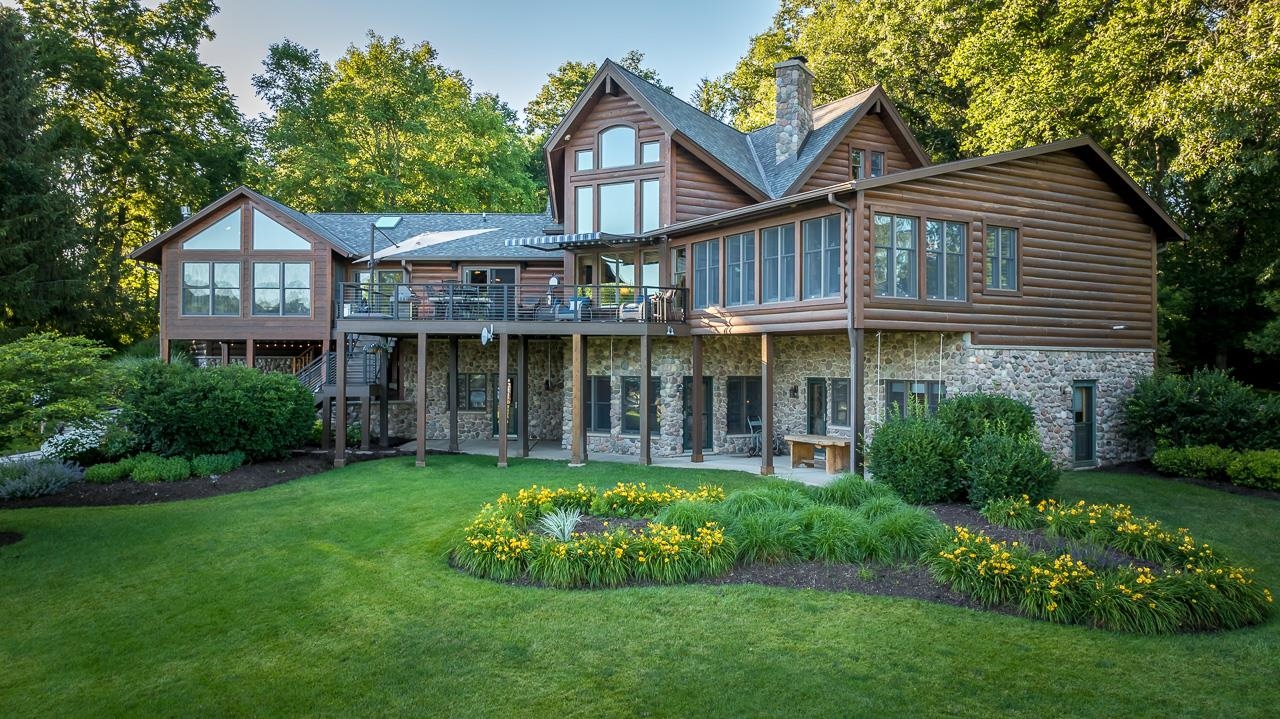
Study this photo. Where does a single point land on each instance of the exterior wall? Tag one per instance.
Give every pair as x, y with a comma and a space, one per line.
870, 134
702, 191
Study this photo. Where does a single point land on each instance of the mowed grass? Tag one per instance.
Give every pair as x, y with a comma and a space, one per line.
332, 596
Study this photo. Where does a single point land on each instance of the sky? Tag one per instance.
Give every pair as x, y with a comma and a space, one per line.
503, 46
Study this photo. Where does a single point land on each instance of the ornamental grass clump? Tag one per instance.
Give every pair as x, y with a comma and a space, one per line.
689, 514
773, 496
24, 479
770, 535
834, 535
906, 533
851, 490
877, 507
559, 524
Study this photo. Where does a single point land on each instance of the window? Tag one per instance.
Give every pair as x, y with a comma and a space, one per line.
650, 204
650, 270
944, 259
223, 290
384, 286
584, 215
857, 164
648, 152
281, 288
840, 400
895, 259
740, 269
821, 256
743, 395
473, 392
1002, 258
221, 235
584, 160
631, 405
618, 208
271, 235
877, 164
617, 147
678, 259
901, 395
618, 268
597, 399
778, 267
706, 274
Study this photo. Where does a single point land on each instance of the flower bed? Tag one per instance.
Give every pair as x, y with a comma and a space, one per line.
1194, 588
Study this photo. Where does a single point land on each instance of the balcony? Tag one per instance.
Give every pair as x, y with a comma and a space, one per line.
458, 302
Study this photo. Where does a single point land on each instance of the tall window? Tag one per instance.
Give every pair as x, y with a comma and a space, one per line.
778, 265
584, 210
706, 274
740, 269
877, 164
857, 164
1002, 258
840, 401
896, 265
211, 288
598, 398
821, 239
473, 392
631, 405
618, 208
944, 259
743, 395
281, 288
679, 258
650, 204
617, 147
901, 395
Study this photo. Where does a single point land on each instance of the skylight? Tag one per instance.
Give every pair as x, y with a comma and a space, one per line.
387, 222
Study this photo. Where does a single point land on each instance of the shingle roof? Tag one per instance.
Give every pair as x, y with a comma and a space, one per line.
451, 235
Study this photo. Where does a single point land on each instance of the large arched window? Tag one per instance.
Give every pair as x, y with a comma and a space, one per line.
617, 146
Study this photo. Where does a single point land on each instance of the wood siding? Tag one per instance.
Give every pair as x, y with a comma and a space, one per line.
870, 134
1086, 274
700, 190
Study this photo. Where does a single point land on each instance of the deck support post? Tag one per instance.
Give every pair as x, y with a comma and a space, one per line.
420, 400
767, 373
858, 397
646, 400
226, 353
453, 394
340, 441
249, 359
522, 396
504, 397
325, 348
578, 438
326, 419
698, 401
384, 406
365, 417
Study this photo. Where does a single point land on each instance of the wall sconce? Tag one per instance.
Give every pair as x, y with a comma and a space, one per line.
671, 331
794, 392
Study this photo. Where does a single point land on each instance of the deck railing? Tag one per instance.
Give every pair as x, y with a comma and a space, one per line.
511, 303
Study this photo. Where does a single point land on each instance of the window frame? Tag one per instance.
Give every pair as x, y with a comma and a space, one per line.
964, 259
657, 145
934, 392
746, 267
877, 157
710, 274
1018, 241
283, 289
635, 146
780, 273
840, 386
741, 388
593, 402
240, 223
212, 288
857, 163
890, 262
466, 381
829, 257
628, 382
590, 154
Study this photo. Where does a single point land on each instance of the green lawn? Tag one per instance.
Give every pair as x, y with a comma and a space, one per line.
331, 596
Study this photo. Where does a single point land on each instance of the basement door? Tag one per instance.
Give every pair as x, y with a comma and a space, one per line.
513, 381
1082, 407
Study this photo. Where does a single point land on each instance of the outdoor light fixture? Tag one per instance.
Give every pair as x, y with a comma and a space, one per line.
794, 392
671, 331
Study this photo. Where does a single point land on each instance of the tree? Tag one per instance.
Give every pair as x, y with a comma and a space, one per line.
385, 128
142, 128
41, 286
46, 379
556, 96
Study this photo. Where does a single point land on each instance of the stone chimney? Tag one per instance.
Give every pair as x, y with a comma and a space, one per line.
794, 115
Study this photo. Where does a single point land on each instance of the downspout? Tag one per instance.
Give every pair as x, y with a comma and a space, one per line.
852, 286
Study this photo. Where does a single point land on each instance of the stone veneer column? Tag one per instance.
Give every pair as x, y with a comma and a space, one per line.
794, 109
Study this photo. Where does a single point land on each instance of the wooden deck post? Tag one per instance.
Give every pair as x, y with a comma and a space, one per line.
766, 404
857, 395
340, 441
453, 394
578, 438
698, 402
365, 417
249, 359
384, 404
226, 353
324, 365
420, 398
522, 396
504, 398
646, 369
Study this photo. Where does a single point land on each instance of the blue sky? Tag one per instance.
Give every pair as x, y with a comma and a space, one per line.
503, 46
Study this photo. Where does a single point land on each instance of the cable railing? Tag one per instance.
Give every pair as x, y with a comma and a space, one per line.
498, 302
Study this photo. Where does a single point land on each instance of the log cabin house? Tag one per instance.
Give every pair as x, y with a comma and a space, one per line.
692, 288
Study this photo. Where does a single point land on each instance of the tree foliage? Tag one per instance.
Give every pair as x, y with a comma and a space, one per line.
556, 96
386, 127
46, 379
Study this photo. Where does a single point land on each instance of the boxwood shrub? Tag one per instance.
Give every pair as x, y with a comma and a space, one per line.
1206, 408
1256, 469
918, 458
998, 465
970, 416
1205, 462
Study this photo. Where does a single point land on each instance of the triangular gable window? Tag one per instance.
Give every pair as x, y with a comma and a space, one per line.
221, 235
271, 235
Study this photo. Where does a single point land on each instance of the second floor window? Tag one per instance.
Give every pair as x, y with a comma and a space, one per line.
944, 259
706, 274
584, 160
740, 269
778, 265
877, 164
1002, 258
821, 239
617, 147
618, 208
615, 212
895, 256
857, 164
584, 209
282, 288
211, 288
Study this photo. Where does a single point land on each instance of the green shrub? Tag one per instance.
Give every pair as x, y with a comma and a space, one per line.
970, 416
917, 457
767, 535
210, 465
851, 490
1257, 469
689, 514
23, 479
181, 410
998, 465
107, 472
906, 532
317, 433
47, 380
1206, 408
150, 468
1205, 462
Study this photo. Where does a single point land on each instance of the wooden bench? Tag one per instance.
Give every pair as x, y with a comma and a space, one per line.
837, 448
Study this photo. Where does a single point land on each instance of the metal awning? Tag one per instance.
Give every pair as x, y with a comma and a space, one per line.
582, 239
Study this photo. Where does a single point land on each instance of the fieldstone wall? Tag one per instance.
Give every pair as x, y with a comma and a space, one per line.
794, 109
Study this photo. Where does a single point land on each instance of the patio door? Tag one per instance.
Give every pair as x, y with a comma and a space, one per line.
1082, 407
687, 397
513, 380
817, 410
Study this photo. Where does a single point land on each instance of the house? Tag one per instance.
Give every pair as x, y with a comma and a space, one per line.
692, 285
